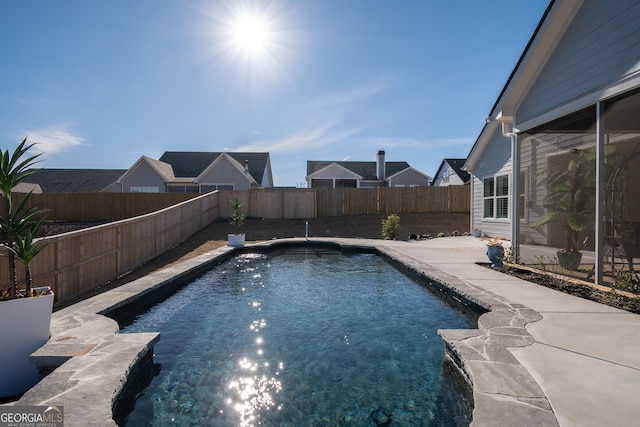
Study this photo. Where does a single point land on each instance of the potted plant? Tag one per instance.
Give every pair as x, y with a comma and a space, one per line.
477, 232
495, 251
25, 314
570, 200
236, 220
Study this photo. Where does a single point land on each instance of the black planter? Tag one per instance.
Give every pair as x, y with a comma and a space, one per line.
569, 260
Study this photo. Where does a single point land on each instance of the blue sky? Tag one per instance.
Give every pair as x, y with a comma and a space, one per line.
97, 84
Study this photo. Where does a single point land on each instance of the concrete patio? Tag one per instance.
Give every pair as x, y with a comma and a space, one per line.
539, 357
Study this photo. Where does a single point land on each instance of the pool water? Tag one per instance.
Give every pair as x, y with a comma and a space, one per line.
307, 338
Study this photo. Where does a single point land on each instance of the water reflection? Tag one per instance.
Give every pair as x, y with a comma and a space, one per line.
252, 394
296, 347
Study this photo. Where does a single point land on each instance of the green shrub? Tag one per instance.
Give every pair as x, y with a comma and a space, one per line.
390, 227
237, 217
442, 235
627, 281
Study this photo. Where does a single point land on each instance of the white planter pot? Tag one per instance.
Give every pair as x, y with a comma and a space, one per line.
24, 327
236, 240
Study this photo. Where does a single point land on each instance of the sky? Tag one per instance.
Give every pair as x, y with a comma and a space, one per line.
98, 84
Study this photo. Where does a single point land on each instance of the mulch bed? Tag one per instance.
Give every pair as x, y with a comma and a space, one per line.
574, 287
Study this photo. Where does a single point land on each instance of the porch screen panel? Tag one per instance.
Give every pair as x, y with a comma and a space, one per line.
622, 185
559, 214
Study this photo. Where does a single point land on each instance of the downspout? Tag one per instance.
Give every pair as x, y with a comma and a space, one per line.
472, 224
515, 174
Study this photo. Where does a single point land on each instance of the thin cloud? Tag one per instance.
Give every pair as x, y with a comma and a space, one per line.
350, 95
419, 143
53, 140
309, 137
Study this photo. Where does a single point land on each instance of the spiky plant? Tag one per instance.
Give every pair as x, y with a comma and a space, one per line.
237, 217
15, 167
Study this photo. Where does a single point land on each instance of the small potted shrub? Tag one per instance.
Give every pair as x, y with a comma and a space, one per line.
25, 314
495, 251
236, 220
390, 227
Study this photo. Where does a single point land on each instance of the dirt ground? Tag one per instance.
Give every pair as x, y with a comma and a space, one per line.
361, 226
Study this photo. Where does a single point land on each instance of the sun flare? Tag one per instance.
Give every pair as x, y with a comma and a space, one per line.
251, 42
250, 33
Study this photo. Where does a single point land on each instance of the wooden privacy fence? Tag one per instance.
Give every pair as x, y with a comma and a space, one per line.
78, 261
269, 204
84, 207
75, 262
388, 200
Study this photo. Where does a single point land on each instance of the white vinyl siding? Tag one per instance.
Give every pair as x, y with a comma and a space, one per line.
494, 161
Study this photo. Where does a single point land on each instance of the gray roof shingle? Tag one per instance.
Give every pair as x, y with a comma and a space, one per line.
365, 169
190, 164
74, 180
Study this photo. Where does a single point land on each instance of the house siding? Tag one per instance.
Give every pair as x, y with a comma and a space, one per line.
598, 50
225, 173
143, 176
266, 177
495, 160
454, 179
408, 178
334, 171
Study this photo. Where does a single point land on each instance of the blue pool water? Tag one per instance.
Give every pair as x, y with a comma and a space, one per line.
305, 338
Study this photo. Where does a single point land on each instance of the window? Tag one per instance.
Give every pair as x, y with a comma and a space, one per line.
496, 197
208, 188
348, 183
145, 189
445, 177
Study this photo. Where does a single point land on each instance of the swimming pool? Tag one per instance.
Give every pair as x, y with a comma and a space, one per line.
304, 337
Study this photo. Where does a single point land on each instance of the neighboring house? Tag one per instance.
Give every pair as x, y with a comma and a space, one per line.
450, 173
196, 172
574, 91
25, 187
72, 180
380, 173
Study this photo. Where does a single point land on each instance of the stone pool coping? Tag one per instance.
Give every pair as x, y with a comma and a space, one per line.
511, 384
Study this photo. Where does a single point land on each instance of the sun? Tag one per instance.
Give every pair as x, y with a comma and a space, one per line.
249, 41
250, 33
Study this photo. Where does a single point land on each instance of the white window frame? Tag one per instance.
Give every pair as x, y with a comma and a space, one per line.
495, 198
